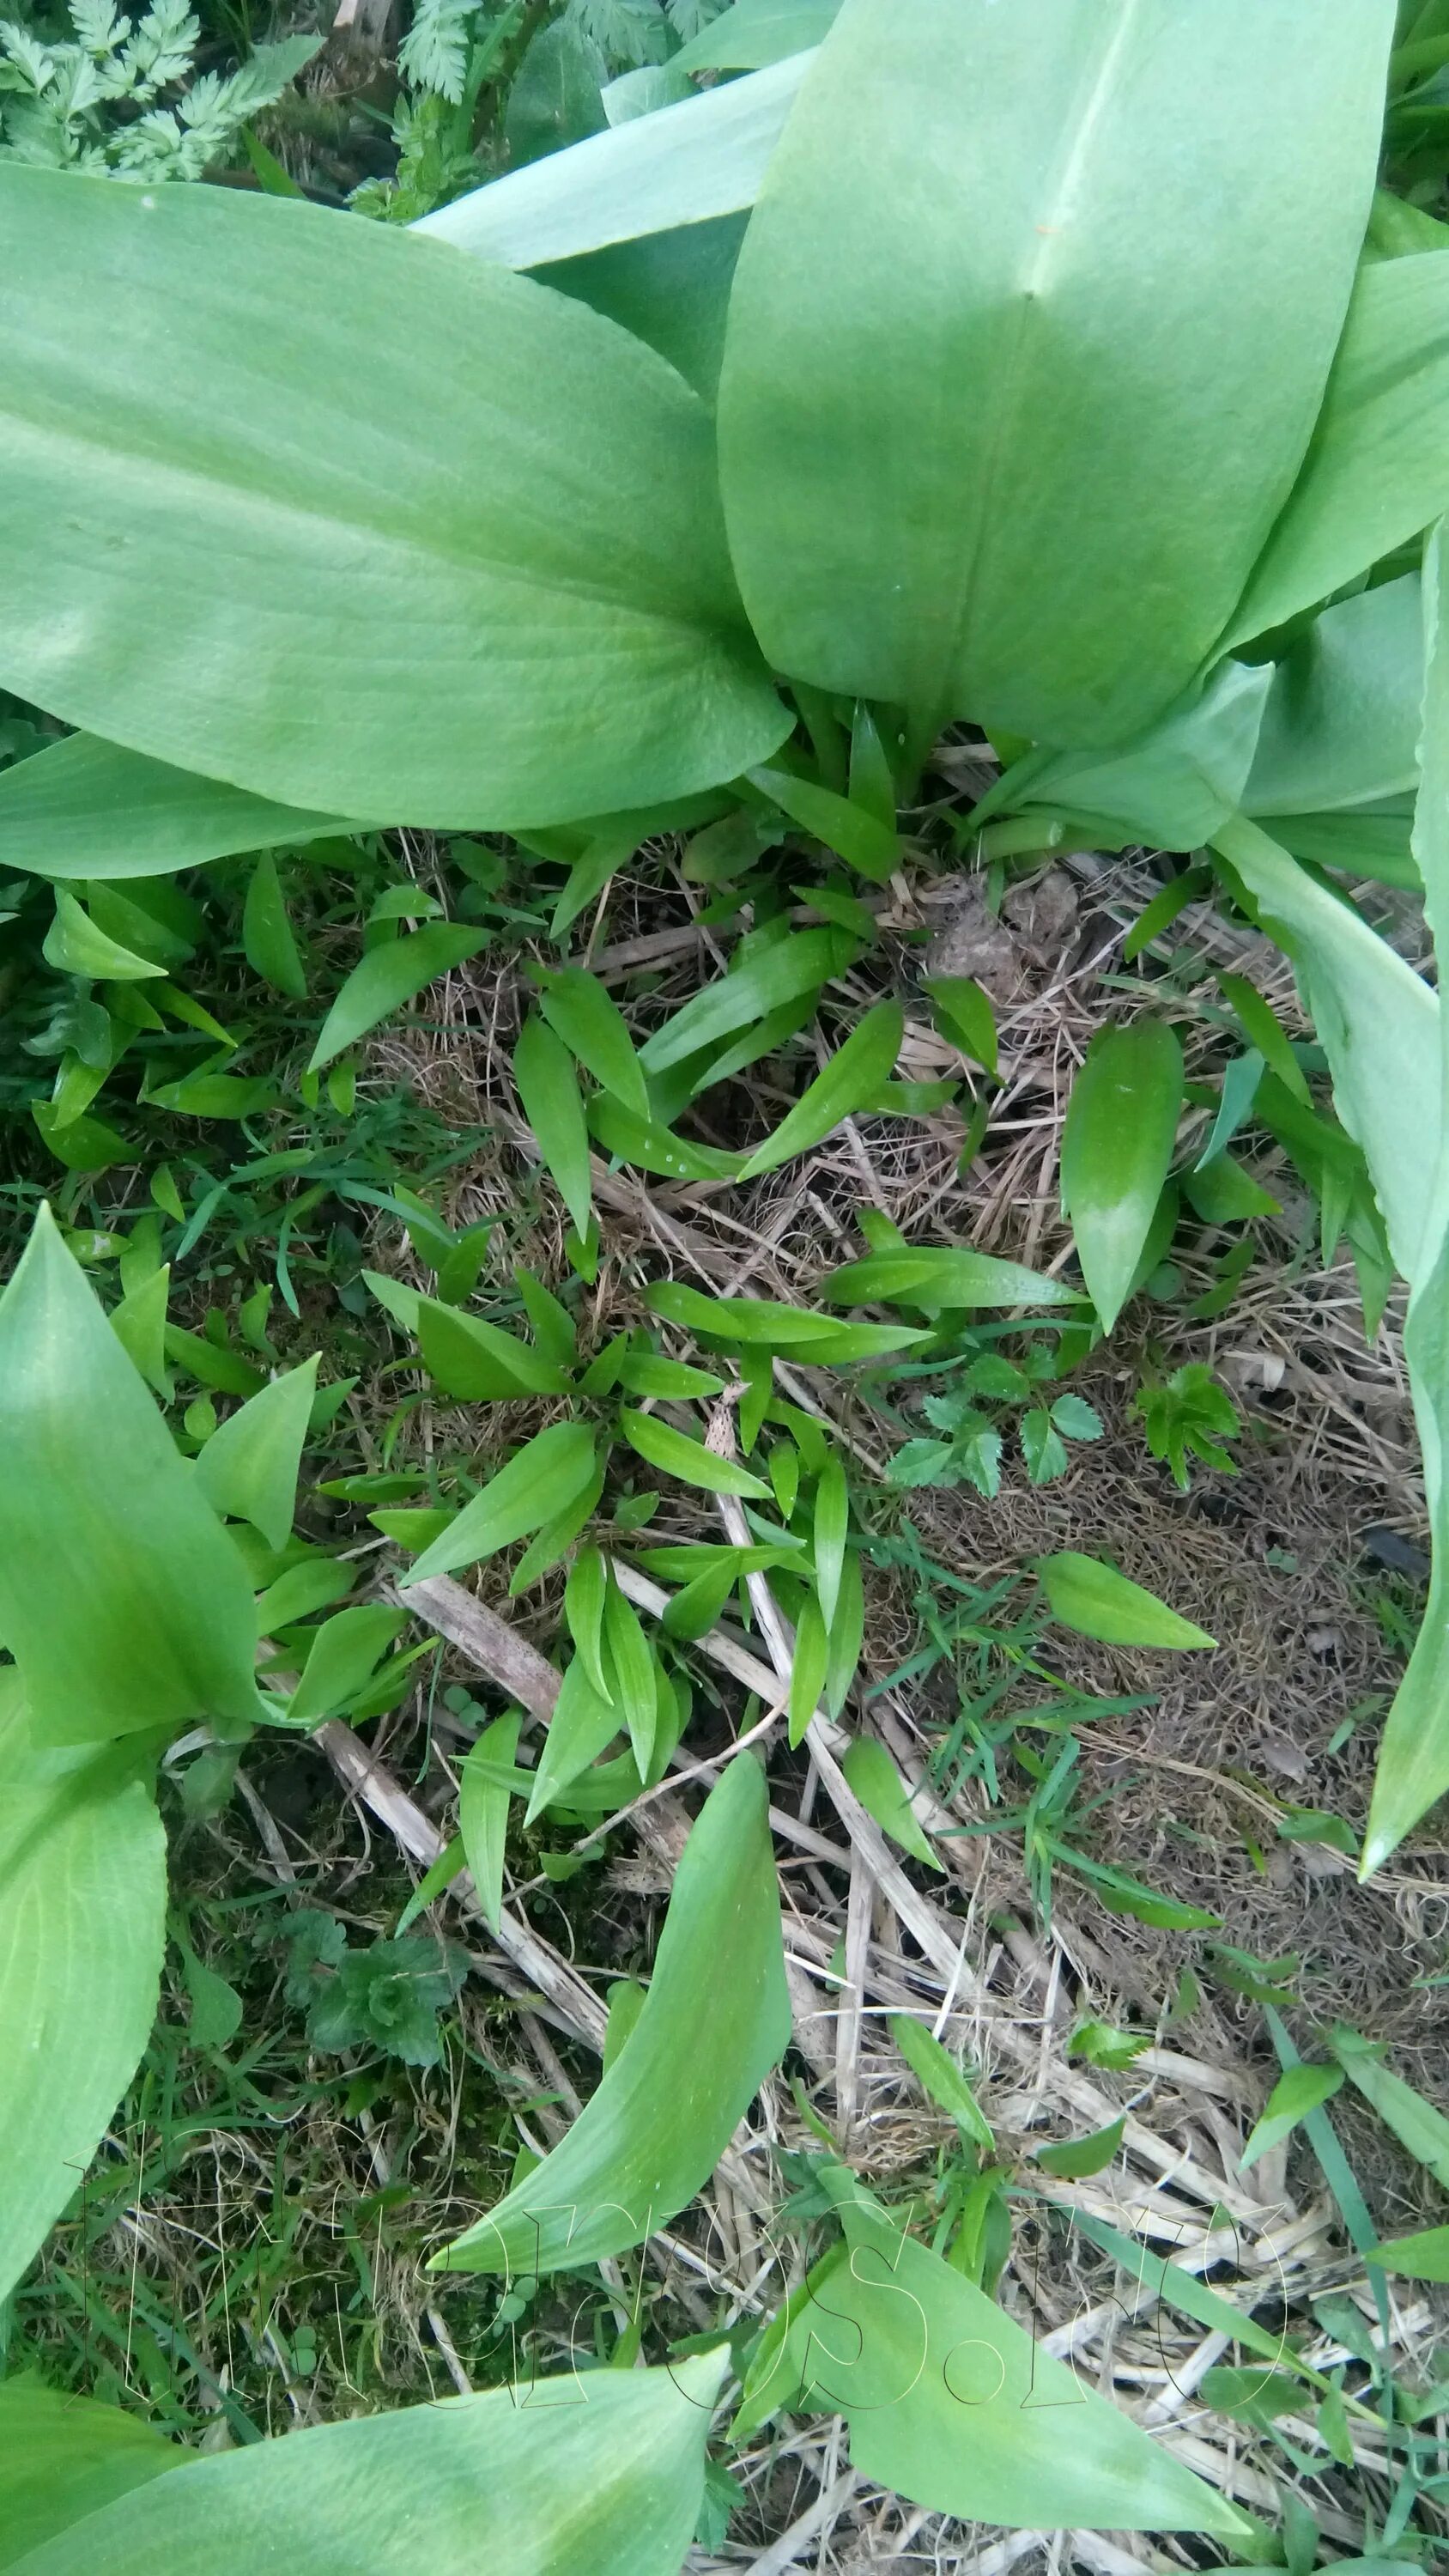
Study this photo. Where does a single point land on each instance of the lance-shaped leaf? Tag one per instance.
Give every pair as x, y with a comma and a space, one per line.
1176, 783
1378, 469
954, 2405
249, 568
929, 1276
248, 1469
1341, 725
122, 1599
716, 2019
580, 1012
1097, 1601
86, 808
990, 442
618, 2456
684, 164
388, 976
1117, 1152
1418, 2124
483, 1810
82, 1929
851, 1080
540, 1480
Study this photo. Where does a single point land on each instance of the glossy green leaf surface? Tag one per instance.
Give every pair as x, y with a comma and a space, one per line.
619, 2456
248, 1469
477, 1362
760, 984
1178, 781
540, 1480
260, 572
269, 941
952, 2404
483, 1811
652, 2134
82, 1929
580, 1011
685, 164
553, 1104
676, 1453
63, 2456
990, 443
1094, 1599
1117, 1151
886, 1796
762, 1323
122, 1599
386, 977
1378, 468
86, 808
921, 1275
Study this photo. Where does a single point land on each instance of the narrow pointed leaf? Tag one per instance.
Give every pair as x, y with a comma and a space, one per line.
341, 1660
674, 1453
760, 1323
584, 1597
923, 1276
122, 1599
548, 1088
75, 945
1418, 2124
592, 1027
850, 1081
303, 608
248, 1469
993, 443
652, 2134
538, 1483
621, 2457
1117, 1151
808, 1666
1424, 2257
940, 2076
795, 966
633, 1684
884, 1794
385, 978
1298, 2091
584, 1721
267, 934
87, 808
684, 164
139, 1324
1095, 1600
82, 1929
829, 1529
483, 1811
851, 830
477, 1362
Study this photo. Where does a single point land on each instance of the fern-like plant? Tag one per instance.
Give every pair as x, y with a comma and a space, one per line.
93, 98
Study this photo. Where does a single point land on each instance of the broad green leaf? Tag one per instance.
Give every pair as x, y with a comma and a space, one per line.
386, 977
248, 1469
652, 2134
82, 1930
122, 1599
300, 613
483, 1812
670, 289
619, 2456
675, 1453
855, 834
755, 33
955, 2406
685, 164
1341, 724
794, 966
550, 1318
475, 1361
758, 1323
694, 1611
940, 2076
1179, 780
554, 1540
341, 1660
268, 938
539, 1481
962, 1011
86, 808
63, 2456
1417, 2124
644, 1373
921, 1276
884, 1794
1095, 1600
592, 1027
1299, 2090
1378, 469
1377, 1020
74, 945
850, 1081
1117, 1152
1424, 2257
1222, 1193
989, 442
1080, 2157
553, 1105
139, 1324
